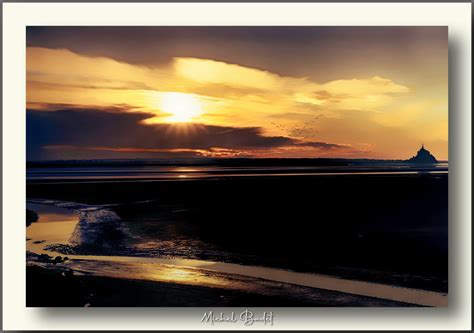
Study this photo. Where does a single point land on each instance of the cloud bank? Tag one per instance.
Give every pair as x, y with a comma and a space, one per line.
118, 132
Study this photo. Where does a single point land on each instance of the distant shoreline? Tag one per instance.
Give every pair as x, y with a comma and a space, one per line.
223, 162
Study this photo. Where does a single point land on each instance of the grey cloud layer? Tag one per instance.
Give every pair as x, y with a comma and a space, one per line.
283, 50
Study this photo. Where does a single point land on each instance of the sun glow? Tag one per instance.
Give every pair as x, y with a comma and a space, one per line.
181, 107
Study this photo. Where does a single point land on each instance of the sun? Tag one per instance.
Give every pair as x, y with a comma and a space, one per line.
181, 107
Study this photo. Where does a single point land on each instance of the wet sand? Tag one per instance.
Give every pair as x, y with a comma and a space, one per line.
222, 276
389, 229
55, 287
340, 238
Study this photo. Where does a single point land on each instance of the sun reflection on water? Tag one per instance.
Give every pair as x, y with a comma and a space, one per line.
160, 273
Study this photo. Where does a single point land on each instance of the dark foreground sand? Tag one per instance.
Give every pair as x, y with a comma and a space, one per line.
62, 287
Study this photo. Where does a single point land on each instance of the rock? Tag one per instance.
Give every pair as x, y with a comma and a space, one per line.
57, 260
31, 217
44, 258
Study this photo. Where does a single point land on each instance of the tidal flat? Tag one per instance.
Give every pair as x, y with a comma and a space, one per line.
381, 229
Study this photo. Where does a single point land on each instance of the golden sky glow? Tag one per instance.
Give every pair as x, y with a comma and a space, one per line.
372, 115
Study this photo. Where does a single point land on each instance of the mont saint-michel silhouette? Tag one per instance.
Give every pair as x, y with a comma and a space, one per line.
423, 156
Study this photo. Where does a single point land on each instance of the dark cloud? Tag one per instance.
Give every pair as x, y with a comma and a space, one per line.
323, 145
60, 133
284, 50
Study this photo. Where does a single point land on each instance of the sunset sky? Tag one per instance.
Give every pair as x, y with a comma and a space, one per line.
144, 92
